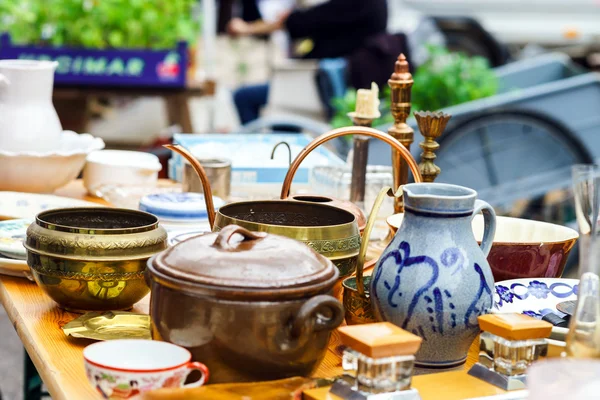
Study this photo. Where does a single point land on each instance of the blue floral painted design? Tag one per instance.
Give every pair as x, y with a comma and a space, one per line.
538, 289
506, 296
451, 257
532, 313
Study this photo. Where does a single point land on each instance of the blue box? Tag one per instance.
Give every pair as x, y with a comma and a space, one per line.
250, 156
108, 67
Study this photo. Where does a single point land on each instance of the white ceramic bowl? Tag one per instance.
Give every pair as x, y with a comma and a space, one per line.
120, 168
125, 368
44, 172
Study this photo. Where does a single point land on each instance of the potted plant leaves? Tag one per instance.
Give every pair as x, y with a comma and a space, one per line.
444, 80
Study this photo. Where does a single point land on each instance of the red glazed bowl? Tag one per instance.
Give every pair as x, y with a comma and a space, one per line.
522, 248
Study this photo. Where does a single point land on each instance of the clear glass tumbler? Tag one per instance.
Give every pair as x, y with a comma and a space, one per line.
583, 340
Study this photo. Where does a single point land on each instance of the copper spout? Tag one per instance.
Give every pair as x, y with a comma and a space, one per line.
210, 208
353, 130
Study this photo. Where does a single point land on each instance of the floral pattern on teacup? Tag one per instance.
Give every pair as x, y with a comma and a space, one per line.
129, 385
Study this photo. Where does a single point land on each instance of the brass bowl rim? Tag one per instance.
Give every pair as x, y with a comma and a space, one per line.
93, 231
310, 228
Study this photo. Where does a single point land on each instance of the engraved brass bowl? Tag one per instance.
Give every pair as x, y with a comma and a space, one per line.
93, 259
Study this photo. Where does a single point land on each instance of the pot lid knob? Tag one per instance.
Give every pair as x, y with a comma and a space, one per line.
222, 240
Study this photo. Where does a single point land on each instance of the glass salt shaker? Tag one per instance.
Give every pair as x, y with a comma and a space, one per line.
508, 345
378, 360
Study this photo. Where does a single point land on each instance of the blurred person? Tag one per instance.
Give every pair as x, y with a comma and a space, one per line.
322, 29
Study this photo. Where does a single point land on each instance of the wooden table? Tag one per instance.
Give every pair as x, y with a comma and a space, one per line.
73, 103
59, 359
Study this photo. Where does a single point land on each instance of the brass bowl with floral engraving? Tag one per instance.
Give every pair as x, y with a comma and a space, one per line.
93, 259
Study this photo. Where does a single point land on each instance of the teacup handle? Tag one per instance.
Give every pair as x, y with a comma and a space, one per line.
191, 366
489, 224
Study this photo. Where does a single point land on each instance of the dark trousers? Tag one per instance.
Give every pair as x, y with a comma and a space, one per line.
249, 100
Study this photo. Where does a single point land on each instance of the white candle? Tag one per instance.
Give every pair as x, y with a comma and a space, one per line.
367, 102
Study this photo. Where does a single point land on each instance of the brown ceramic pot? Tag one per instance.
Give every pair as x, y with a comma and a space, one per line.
253, 309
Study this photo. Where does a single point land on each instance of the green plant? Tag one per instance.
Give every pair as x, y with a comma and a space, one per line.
444, 80
156, 24
447, 79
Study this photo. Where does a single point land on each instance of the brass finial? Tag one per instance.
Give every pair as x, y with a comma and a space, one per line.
401, 70
431, 125
400, 82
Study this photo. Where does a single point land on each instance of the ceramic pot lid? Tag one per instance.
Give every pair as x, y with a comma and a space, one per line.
237, 263
187, 206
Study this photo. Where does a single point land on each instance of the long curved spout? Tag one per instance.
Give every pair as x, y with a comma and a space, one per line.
210, 207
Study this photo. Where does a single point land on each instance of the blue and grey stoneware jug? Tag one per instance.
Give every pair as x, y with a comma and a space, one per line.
433, 279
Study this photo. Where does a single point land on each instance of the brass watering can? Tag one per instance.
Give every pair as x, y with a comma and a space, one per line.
330, 231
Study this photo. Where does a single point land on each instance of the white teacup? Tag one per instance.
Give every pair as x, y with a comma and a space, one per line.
125, 368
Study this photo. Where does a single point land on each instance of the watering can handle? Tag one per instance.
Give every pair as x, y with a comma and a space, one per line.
353, 130
360, 286
489, 224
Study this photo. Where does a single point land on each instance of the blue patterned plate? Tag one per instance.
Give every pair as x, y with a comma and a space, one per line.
535, 297
12, 235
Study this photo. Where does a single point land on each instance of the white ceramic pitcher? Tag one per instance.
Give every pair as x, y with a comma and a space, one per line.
28, 120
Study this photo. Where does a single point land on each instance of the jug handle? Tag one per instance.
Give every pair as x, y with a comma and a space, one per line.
352, 130
360, 286
4, 81
489, 224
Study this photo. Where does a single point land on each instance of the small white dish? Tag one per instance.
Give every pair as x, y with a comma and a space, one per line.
44, 172
185, 207
16, 268
15, 205
129, 367
535, 297
12, 236
120, 168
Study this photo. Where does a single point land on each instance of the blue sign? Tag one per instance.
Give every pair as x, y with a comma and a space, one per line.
110, 67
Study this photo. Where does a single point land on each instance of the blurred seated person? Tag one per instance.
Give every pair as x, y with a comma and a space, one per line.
327, 29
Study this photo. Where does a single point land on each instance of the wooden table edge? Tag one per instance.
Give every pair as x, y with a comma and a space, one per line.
27, 339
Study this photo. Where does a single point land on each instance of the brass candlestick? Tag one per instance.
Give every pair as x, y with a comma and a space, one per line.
401, 83
431, 125
359, 160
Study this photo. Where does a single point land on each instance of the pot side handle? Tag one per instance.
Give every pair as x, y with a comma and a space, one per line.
312, 316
